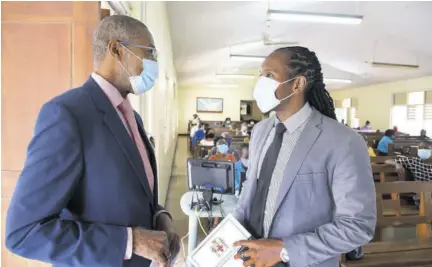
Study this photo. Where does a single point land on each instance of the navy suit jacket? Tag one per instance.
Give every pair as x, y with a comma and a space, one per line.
82, 184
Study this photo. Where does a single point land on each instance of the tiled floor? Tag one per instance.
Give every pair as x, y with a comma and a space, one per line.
178, 186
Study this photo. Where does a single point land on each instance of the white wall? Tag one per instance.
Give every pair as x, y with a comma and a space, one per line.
158, 107
375, 101
231, 104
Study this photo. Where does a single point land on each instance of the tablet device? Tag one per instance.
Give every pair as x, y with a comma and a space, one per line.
217, 249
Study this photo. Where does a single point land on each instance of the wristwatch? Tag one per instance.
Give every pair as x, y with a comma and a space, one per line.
284, 255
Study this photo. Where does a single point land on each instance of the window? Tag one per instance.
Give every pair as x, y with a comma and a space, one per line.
416, 98
413, 113
354, 121
341, 114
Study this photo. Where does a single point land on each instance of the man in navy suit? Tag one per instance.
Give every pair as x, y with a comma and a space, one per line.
87, 195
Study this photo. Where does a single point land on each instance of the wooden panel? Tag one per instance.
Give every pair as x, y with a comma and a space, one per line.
403, 187
9, 179
105, 12
85, 16
37, 11
46, 50
34, 74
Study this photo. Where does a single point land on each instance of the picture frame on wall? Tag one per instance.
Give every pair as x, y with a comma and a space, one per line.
209, 105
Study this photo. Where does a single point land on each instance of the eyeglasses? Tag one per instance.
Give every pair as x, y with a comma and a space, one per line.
152, 51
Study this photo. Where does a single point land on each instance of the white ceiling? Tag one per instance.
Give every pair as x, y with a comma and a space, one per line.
396, 32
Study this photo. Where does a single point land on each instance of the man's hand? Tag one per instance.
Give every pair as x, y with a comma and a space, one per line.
152, 245
164, 223
262, 253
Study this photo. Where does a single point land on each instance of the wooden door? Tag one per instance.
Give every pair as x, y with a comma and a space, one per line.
46, 50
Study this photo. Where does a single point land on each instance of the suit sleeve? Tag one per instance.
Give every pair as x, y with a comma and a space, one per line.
52, 171
354, 220
248, 185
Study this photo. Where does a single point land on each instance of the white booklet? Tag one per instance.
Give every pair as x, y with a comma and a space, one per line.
217, 249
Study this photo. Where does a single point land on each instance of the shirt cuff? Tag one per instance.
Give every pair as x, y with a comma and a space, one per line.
159, 212
284, 255
129, 246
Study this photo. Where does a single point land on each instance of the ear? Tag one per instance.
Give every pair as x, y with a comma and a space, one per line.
299, 84
115, 50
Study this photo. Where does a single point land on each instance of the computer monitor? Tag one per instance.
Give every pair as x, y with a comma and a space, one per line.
211, 175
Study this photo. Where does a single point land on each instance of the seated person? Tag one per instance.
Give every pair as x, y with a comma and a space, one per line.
209, 137
231, 150
420, 168
423, 133
227, 123
199, 134
371, 152
367, 126
244, 129
194, 125
227, 137
385, 141
241, 166
246, 139
195, 121
222, 152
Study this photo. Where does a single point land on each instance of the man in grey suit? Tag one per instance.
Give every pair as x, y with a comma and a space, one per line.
309, 194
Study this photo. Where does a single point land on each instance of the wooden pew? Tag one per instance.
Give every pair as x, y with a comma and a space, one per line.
404, 147
201, 152
409, 253
387, 173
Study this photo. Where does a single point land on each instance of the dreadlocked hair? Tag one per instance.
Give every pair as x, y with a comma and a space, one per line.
304, 62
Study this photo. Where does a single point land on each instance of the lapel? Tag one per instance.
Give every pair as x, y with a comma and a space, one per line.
301, 149
150, 151
260, 139
118, 130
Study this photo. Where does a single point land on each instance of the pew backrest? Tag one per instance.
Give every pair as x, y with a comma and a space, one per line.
424, 217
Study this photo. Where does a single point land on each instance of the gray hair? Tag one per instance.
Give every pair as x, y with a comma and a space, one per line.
116, 27
221, 142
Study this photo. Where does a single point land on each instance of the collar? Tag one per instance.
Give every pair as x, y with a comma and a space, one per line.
296, 120
110, 91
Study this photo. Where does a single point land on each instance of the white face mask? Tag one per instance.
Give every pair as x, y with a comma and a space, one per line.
265, 93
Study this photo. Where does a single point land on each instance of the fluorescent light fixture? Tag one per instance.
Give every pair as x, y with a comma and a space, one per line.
235, 76
330, 80
248, 58
224, 85
315, 17
392, 65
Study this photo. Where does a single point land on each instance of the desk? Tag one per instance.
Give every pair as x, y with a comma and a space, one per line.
228, 206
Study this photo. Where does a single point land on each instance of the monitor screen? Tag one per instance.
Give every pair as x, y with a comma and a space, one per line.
204, 174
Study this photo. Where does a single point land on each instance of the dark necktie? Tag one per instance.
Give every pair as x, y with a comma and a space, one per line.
256, 221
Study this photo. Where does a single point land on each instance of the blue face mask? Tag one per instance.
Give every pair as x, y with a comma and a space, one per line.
223, 149
146, 80
424, 154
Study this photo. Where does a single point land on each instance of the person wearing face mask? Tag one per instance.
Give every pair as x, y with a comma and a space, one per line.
227, 123
88, 193
420, 167
306, 199
244, 129
222, 151
241, 166
209, 138
385, 141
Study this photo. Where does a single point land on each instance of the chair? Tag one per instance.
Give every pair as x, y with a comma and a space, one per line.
409, 253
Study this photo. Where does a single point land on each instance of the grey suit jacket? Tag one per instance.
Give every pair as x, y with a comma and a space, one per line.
326, 203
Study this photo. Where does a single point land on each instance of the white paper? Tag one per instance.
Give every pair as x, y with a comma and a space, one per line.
217, 249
